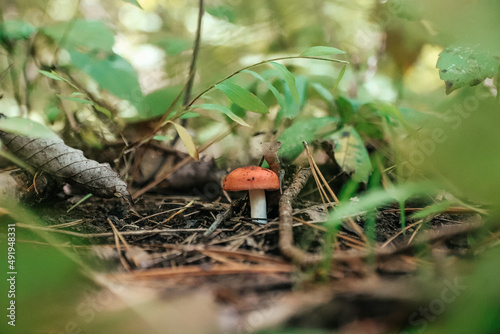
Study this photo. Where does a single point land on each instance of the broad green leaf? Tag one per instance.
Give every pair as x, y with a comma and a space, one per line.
277, 95
376, 198
461, 66
157, 103
75, 99
112, 73
187, 140
93, 35
187, 115
351, 154
291, 138
16, 30
134, 2
242, 97
225, 110
52, 75
25, 127
318, 51
289, 79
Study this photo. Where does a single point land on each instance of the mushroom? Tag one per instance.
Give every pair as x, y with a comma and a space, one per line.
256, 180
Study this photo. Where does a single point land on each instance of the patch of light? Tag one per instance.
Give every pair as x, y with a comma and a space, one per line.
135, 18
423, 76
62, 10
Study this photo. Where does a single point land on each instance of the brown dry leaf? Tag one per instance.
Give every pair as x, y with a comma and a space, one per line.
54, 157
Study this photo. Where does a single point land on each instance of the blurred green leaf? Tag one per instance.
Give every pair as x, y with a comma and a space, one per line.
289, 79
25, 127
292, 108
16, 30
461, 65
341, 75
103, 110
174, 46
93, 35
378, 197
291, 138
323, 92
223, 12
158, 102
52, 75
225, 110
351, 154
111, 72
318, 51
75, 99
243, 98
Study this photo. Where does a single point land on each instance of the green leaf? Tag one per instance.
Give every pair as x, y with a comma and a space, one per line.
52, 75
111, 72
277, 95
25, 127
376, 198
16, 30
187, 140
292, 108
341, 75
351, 154
461, 66
323, 92
433, 209
157, 103
291, 138
289, 79
134, 2
225, 110
104, 111
223, 12
243, 98
75, 99
174, 46
318, 51
93, 35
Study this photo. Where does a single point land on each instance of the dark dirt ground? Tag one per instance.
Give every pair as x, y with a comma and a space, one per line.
162, 244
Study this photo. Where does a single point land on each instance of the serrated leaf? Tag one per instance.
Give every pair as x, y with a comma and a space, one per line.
93, 35
75, 99
242, 97
351, 154
291, 138
112, 73
187, 140
289, 79
318, 51
52, 75
25, 127
277, 95
461, 66
134, 2
225, 110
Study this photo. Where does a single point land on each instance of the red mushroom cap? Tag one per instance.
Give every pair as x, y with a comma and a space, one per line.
251, 178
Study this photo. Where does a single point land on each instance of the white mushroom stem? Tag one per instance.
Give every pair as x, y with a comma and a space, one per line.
258, 205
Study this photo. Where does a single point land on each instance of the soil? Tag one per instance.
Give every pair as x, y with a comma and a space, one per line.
162, 244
